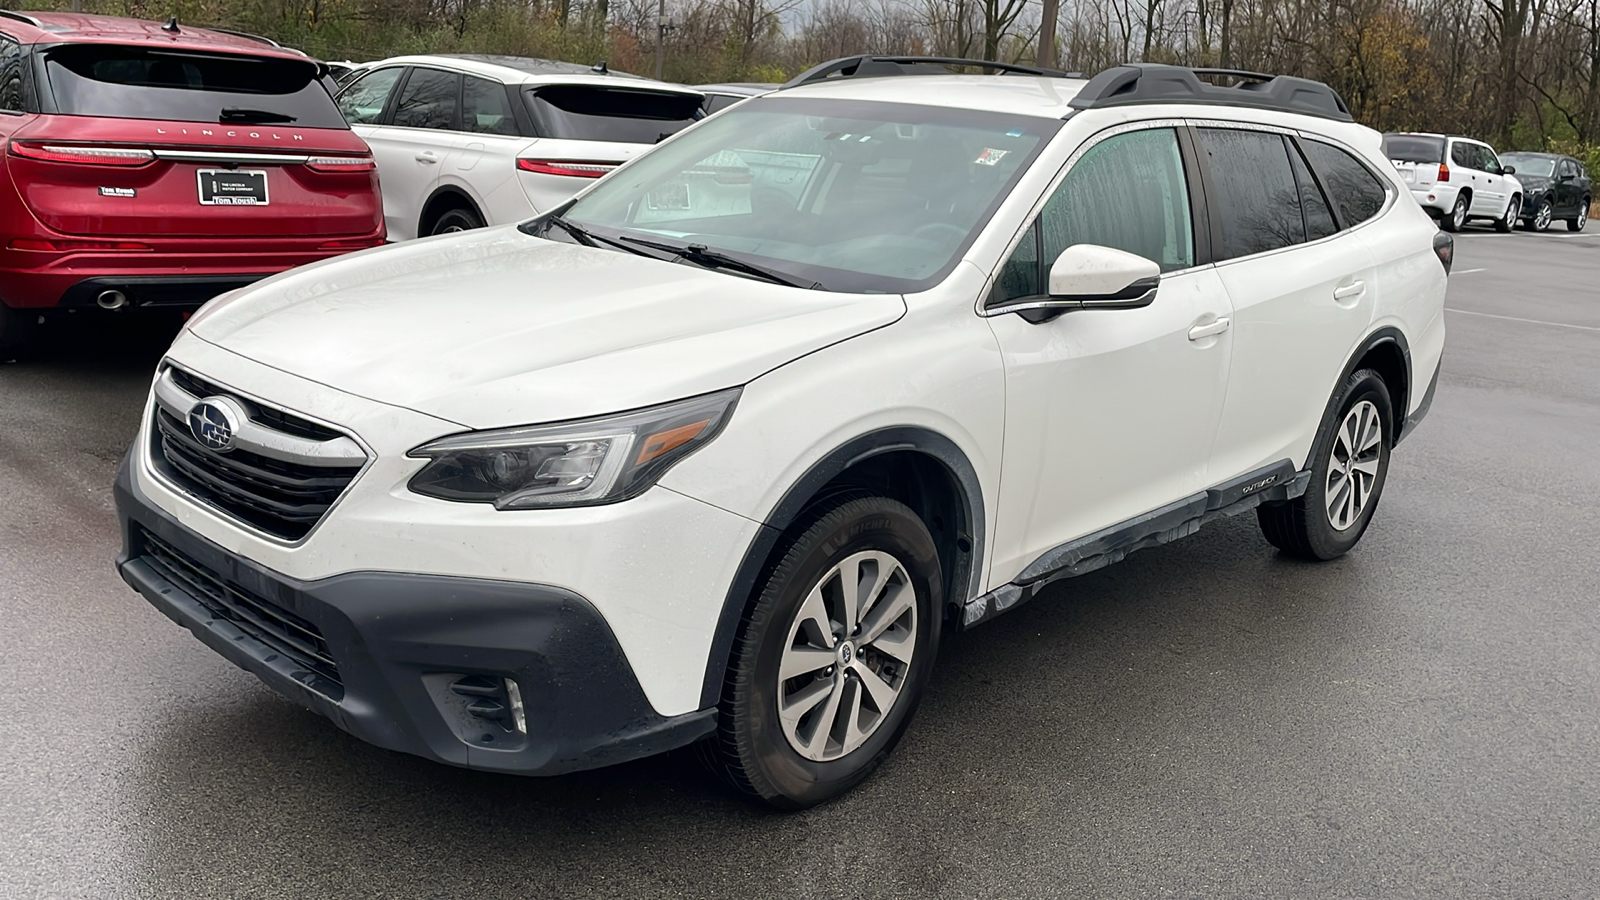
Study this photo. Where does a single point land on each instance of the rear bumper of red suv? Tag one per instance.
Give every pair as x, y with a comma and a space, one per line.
173, 272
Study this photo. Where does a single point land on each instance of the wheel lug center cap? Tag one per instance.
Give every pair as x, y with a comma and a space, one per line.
847, 652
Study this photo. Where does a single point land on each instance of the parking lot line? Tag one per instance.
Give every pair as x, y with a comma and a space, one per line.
1468, 312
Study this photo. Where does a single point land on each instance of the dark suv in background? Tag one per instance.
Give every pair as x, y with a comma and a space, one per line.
1554, 187
158, 165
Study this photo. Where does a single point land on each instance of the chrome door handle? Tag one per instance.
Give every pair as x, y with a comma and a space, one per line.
1354, 289
1209, 329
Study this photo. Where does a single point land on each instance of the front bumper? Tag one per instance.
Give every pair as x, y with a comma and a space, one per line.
399, 641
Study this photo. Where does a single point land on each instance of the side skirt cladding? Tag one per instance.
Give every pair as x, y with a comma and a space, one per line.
967, 531
1276, 483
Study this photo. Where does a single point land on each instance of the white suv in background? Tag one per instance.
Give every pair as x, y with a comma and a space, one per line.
716, 451
467, 141
1456, 179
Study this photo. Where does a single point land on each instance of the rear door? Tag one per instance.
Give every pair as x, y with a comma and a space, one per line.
1301, 292
412, 140
587, 129
484, 164
134, 140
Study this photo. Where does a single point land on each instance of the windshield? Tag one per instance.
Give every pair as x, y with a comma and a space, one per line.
1537, 166
1407, 148
135, 83
853, 195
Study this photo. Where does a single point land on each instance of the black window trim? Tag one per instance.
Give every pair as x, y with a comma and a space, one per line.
1200, 236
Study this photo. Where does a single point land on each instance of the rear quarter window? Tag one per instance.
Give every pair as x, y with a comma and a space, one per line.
1354, 190
136, 83
585, 113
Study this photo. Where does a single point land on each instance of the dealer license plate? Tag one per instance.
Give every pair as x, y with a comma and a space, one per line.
233, 187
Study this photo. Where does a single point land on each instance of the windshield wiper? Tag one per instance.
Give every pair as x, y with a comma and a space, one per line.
589, 239
701, 255
255, 116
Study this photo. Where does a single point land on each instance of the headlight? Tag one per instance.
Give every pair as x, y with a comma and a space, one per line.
582, 463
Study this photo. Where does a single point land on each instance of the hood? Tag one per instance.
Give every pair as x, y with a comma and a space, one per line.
494, 328
1532, 183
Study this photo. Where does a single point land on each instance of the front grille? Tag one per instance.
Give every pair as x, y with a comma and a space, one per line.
281, 630
276, 419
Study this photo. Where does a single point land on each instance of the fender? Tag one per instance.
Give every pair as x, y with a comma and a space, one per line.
794, 502
455, 190
1388, 334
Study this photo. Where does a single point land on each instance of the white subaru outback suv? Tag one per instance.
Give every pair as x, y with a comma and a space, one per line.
716, 452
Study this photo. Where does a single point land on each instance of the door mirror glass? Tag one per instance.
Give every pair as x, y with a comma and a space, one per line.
1508, 170
1092, 277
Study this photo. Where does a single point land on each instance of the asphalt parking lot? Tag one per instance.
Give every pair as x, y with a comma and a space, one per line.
1419, 719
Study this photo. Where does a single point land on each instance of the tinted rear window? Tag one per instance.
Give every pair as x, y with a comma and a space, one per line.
583, 113
1413, 149
134, 83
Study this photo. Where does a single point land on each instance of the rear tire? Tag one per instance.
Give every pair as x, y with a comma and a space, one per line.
1456, 218
1577, 222
1350, 462
17, 330
458, 219
1505, 223
820, 687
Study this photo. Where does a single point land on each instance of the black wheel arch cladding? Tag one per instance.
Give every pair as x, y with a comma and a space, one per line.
889, 461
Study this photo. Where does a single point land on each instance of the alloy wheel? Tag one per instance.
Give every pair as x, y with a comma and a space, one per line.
1541, 219
848, 652
1458, 216
1353, 465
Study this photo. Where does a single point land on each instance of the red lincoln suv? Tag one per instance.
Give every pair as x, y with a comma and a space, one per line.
158, 165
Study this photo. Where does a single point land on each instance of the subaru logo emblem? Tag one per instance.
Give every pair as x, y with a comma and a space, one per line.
213, 422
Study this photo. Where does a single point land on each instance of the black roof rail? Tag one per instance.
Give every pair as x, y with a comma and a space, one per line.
879, 66
1135, 84
21, 17
246, 35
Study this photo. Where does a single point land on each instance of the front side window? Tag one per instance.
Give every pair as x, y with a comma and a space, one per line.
485, 108
115, 81
428, 100
1491, 163
363, 102
1257, 206
851, 195
1128, 192
1356, 192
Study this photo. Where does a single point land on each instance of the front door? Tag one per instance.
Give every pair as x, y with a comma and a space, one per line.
1109, 413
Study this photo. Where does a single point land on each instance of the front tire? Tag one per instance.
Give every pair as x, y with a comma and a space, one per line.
1350, 464
832, 657
1577, 222
1505, 223
1542, 216
1456, 218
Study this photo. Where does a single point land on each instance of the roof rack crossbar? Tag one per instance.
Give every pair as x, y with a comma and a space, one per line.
246, 35
878, 66
1136, 84
21, 17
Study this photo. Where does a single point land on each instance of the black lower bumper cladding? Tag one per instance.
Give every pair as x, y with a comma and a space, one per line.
377, 652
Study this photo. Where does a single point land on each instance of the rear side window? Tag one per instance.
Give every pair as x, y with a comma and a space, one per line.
1465, 154
1407, 148
11, 97
584, 113
428, 100
485, 108
362, 103
135, 83
1355, 191
1258, 202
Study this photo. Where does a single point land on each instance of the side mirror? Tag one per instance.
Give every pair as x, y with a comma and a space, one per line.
1508, 170
1087, 276
1565, 178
